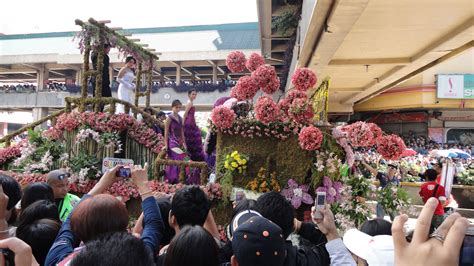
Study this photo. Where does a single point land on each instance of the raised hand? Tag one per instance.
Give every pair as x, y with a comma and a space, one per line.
441, 248
23, 253
326, 225
105, 181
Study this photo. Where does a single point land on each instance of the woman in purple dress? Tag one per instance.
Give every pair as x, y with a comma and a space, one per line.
192, 136
174, 136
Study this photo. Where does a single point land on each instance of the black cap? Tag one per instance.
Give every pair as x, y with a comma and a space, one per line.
259, 242
392, 165
239, 219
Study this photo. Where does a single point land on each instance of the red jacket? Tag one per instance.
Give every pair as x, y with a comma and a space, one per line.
427, 191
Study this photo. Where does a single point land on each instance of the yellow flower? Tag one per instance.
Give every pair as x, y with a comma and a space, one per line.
227, 157
244, 161
234, 164
234, 153
226, 165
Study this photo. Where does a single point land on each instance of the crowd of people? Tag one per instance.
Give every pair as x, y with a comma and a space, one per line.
51, 227
27, 88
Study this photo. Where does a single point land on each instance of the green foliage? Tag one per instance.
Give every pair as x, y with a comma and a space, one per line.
393, 198
83, 160
287, 23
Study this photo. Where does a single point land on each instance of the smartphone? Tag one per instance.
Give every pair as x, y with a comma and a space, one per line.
7, 257
319, 203
239, 195
124, 172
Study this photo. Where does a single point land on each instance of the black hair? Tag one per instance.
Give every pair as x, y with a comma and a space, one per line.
176, 103
41, 209
40, 236
119, 248
160, 113
192, 246
149, 110
190, 206
130, 58
168, 233
36, 191
431, 174
12, 189
377, 227
107, 45
276, 208
244, 204
191, 91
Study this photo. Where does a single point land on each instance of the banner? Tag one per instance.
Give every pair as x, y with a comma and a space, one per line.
436, 134
457, 86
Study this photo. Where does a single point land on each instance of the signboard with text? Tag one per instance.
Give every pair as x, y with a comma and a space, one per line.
456, 86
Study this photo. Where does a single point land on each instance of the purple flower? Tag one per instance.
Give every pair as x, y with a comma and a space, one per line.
327, 182
297, 194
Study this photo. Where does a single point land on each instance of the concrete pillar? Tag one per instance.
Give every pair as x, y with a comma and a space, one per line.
79, 77
42, 78
40, 112
178, 75
214, 74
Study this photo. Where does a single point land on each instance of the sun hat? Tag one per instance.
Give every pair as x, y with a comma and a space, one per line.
376, 250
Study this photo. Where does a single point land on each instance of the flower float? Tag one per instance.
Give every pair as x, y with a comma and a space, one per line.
333, 190
362, 134
266, 78
246, 88
236, 161
266, 110
255, 60
263, 183
391, 147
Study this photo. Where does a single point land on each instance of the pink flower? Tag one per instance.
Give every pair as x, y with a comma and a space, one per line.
236, 62
303, 79
301, 111
266, 110
7, 154
222, 117
266, 78
362, 134
255, 60
310, 138
297, 194
246, 88
390, 147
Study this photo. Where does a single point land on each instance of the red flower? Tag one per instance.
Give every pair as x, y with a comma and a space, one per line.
310, 138
303, 79
236, 62
9, 153
301, 111
222, 117
390, 147
255, 60
246, 88
266, 110
362, 134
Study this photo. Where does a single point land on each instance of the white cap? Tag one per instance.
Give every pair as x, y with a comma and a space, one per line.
376, 250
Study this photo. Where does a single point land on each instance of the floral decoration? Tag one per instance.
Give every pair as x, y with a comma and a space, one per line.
236, 61
301, 111
236, 161
9, 153
303, 79
222, 117
264, 183
250, 128
266, 110
266, 78
341, 139
310, 138
362, 134
297, 194
391, 147
255, 60
246, 88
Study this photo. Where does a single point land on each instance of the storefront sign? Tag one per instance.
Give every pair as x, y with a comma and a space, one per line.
457, 86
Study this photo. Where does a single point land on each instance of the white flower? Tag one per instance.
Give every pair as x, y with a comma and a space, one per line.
83, 173
298, 192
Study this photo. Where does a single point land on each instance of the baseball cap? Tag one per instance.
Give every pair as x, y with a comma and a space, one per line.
259, 241
392, 165
239, 219
58, 174
376, 250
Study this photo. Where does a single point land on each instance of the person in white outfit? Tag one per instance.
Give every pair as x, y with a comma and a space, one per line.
125, 78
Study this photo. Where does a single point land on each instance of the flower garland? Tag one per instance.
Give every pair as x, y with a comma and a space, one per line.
255, 60
236, 61
250, 128
391, 147
303, 79
297, 194
266, 110
310, 138
222, 117
246, 88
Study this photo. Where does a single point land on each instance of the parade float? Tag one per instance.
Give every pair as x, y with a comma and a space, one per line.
264, 142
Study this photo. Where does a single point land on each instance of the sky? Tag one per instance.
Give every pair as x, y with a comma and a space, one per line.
33, 16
